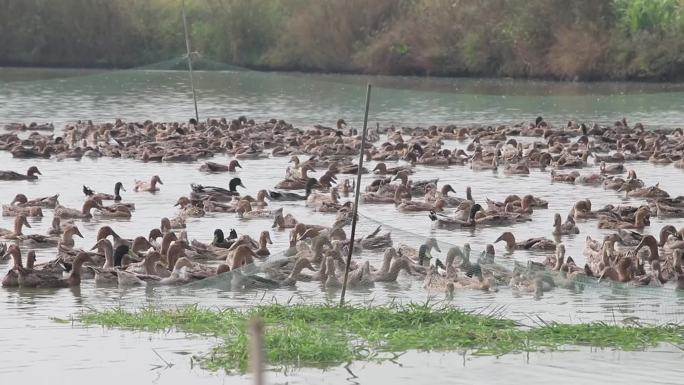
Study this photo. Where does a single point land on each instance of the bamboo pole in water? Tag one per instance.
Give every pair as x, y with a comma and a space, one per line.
357, 192
256, 350
187, 47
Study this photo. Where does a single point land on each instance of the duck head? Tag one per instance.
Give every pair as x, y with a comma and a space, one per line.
19, 222
15, 253
233, 165
219, 237
507, 237
265, 238
652, 244
473, 211
154, 234
446, 189
20, 199
32, 171
234, 183
117, 189
71, 231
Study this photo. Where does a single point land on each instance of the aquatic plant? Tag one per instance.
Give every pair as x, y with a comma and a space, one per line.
326, 335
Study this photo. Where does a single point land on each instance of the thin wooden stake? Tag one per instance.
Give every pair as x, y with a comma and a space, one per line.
256, 350
357, 192
187, 46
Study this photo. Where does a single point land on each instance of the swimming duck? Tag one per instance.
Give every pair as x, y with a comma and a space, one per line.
245, 211
11, 279
458, 220
418, 188
567, 228
530, 244
289, 196
612, 169
84, 213
331, 281
216, 193
264, 241
29, 211
392, 274
408, 205
382, 169
284, 221
623, 271
217, 167
16, 232
640, 221
11, 175
45, 202
220, 240
294, 182
141, 186
318, 199
118, 211
645, 192
188, 209
387, 195
35, 278
373, 241
175, 223
103, 196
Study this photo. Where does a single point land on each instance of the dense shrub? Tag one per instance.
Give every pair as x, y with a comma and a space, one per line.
580, 39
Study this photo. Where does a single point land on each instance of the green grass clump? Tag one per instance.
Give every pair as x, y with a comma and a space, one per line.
326, 335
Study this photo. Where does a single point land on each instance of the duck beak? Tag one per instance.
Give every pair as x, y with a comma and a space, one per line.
242, 185
124, 189
437, 248
38, 172
27, 224
78, 232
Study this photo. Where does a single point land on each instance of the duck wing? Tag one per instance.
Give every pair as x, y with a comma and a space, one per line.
11, 175
285, 196
198, 188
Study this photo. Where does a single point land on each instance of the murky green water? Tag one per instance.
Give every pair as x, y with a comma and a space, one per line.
40, 350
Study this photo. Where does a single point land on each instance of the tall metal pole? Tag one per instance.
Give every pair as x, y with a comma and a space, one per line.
356, 195
187, 46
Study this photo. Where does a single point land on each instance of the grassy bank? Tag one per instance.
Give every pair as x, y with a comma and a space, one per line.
582, 39
325, 336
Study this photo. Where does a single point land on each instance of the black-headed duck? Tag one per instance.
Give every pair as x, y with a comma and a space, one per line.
118, 186
217, 193
290, 196
12, 175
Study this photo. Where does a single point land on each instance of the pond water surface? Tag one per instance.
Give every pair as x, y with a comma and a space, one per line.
39, 349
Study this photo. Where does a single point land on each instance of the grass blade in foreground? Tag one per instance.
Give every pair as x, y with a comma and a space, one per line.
326, 335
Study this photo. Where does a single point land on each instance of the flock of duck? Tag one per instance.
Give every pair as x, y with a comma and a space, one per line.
165, 255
